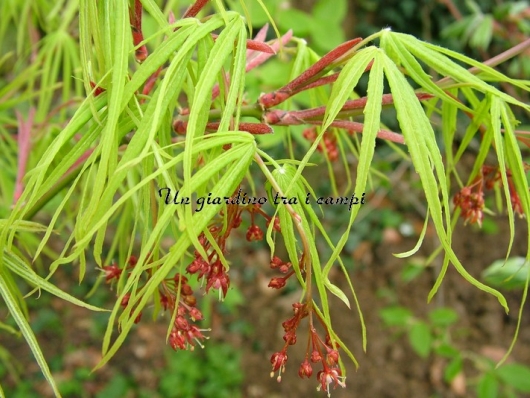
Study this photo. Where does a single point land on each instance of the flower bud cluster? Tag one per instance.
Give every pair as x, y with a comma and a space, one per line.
284, 268
174, 293
318, 351
470, 199
327, 145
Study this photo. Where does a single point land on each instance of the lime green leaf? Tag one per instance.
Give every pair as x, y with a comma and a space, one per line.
453, 368
488, 386
25, 328
425, 155
337, 292
481, 36
516, 376
446, 350
443, 317
420, 338
238, 159
395, 316
348, 78
19, 267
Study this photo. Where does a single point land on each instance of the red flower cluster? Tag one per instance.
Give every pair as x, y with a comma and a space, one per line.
184, 335
470, 199
328, 144
471, 203
212, 269
317, 351
176, 294
173, 292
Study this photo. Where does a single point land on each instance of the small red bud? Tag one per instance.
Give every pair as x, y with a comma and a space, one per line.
190, 300
290, 337
305, 369
138, 318
277, 283
254, 233
284, 268
332, 357
186, 290
195, 314
315, 356
125, 300
237, 222
132, 261
276, 262
278, 360
111, 272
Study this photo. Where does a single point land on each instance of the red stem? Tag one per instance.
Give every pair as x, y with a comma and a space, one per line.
136, 28
195, 8
271, 99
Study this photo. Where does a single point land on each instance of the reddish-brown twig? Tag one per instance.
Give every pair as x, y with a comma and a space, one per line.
195, 8
135, 17
180, 127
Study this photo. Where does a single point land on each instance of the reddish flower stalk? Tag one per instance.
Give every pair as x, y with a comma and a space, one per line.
276, 97
135, 16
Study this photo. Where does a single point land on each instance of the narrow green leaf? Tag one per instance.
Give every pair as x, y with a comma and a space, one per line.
401, 54
433, 56
348, 78
337, 292
416, 247
425, 155
19, 267
28, 334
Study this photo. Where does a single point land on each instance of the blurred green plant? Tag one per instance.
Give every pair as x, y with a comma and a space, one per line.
510, 273
215, 371
432, 337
